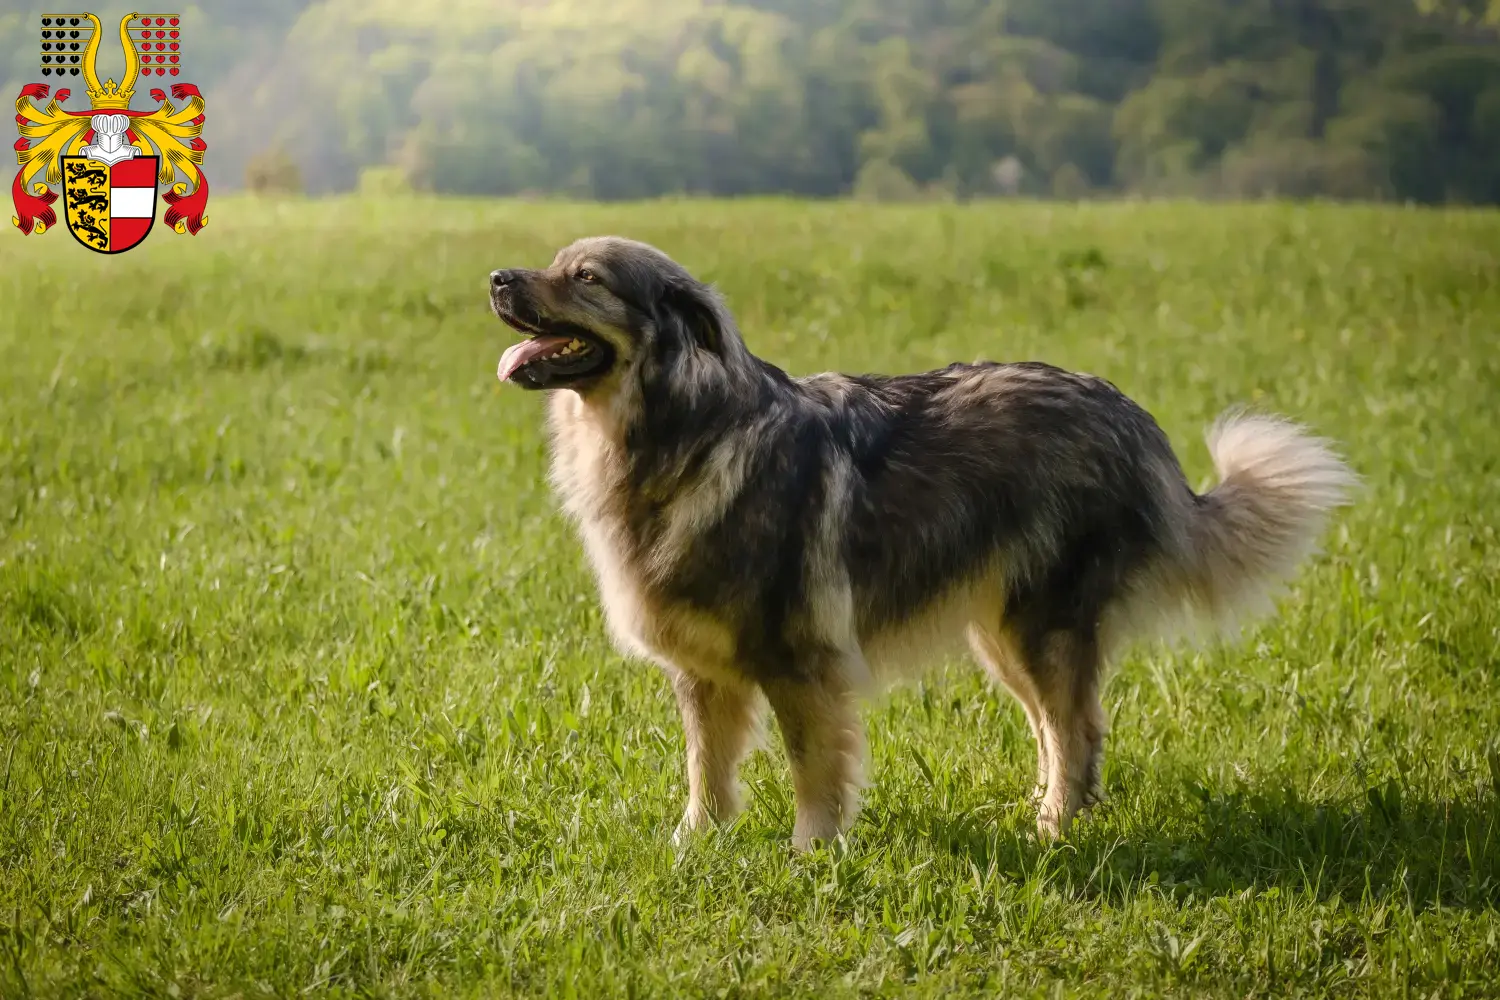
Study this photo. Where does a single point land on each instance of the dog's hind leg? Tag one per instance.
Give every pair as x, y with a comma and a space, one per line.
824, 742
999, 657
1065, 667
717, 721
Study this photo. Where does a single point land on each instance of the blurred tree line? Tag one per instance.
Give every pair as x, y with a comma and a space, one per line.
878, 98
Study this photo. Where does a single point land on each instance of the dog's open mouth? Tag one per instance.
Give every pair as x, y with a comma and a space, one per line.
553, 353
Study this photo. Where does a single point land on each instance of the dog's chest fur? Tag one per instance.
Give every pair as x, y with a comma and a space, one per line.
589, 473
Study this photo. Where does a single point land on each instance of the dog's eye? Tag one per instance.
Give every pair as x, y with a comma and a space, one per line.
584, 274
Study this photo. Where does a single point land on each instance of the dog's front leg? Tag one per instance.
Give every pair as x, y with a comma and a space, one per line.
824, 742
717, 720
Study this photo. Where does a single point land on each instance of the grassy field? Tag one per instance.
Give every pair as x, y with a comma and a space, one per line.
304, 687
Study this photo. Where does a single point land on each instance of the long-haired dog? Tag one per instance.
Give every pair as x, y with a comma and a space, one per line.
793, 541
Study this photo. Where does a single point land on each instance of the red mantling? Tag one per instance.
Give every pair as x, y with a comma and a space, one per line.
187, 207
31, 207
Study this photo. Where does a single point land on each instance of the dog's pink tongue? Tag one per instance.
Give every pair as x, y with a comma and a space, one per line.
527, 351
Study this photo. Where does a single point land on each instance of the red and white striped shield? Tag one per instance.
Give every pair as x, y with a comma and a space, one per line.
110, 207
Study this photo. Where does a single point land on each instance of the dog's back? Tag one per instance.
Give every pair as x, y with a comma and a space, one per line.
1041, 481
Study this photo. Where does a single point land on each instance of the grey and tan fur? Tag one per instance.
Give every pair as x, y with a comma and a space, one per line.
795, 542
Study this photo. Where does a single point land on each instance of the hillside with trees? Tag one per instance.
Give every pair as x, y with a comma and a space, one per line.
1380, 99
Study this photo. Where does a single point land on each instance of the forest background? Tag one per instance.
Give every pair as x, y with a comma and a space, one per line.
886, 99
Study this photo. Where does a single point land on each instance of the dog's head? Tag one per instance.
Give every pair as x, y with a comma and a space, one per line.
604, 307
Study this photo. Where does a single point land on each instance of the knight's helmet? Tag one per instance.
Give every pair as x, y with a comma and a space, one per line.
109, 131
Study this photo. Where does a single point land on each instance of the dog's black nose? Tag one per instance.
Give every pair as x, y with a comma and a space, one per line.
502, 277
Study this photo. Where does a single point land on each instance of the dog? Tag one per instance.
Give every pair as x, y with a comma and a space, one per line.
797, 542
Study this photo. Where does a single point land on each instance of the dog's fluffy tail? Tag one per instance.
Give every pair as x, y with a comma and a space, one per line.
1246, 537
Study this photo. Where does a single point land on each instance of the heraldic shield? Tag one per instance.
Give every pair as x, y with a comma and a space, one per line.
110, 206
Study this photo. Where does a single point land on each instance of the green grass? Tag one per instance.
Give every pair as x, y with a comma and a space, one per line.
304, 687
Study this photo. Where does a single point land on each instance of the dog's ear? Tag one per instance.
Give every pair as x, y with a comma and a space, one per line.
696, 313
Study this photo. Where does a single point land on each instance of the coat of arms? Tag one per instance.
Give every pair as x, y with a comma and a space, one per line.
110, 160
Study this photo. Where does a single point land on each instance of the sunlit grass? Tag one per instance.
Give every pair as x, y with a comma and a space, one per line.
303, 684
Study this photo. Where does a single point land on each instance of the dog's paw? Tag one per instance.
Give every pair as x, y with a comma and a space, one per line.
807, 844
811, 831
694, 823
1053, 821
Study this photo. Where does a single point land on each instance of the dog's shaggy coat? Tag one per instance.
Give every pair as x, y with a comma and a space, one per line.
792, 541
